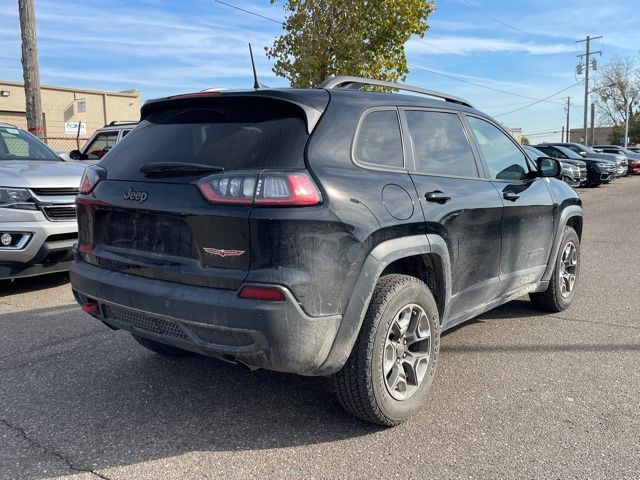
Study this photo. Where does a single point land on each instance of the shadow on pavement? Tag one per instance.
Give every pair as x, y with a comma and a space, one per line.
105, 400
31, 284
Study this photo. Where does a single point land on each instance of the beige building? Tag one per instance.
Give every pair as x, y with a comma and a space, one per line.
70, 115
516, 133
597, 136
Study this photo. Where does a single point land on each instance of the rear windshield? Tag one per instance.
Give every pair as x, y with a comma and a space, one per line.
234, 134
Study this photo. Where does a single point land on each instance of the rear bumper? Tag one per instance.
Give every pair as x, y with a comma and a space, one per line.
215, 322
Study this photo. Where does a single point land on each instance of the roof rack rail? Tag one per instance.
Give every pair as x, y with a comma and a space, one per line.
356, 83
121, 122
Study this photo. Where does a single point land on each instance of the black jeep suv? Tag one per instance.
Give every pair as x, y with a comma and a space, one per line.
326, 231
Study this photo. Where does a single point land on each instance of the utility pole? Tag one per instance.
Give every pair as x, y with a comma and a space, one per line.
587, 56
568, 110
30, 69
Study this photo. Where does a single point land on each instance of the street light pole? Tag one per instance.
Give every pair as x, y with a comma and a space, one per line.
568, 112
626, 123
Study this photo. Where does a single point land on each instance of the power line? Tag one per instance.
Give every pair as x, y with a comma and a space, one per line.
536, 102
528, 74
415, 66
249, 12
540, 133
495, 19
478, 84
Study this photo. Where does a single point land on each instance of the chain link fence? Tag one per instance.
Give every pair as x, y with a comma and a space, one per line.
64, 144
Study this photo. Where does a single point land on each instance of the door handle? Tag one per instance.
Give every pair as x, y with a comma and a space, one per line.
509, 195
437, 196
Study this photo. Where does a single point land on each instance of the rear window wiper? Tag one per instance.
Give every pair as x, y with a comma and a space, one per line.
185, 168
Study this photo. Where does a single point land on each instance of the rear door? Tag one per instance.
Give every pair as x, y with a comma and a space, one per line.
528, 214
159, 224
459, 204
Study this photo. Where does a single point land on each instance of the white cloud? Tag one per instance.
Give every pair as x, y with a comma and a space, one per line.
445, 45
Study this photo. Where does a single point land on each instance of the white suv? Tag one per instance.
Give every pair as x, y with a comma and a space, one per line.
103, 140
38, 225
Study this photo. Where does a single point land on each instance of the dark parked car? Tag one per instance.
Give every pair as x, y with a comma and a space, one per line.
584, 151
598, 170
574, 172
324, 231
633, 158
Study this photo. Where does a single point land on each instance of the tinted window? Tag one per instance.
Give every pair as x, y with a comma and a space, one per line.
233, 134
378, 140
101, 144
504, 159
573, 148
124, 133
568, 153
440, 145
534, 152
16, 144
552, 152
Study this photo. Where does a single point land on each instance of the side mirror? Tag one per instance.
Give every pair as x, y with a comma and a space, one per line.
549, 167
75, 155
583, 154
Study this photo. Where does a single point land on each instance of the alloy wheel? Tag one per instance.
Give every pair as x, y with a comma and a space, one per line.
407, 352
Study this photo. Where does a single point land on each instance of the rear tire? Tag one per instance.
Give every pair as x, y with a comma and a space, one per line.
160, 348
561, 289
391, 367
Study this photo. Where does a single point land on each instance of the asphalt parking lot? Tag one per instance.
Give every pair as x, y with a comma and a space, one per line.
517, 394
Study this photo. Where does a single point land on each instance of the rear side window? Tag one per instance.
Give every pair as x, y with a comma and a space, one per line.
101, 144
378, 141
439, 144
504, 159
231, 133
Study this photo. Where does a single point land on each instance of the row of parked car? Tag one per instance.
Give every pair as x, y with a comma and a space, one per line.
584, 166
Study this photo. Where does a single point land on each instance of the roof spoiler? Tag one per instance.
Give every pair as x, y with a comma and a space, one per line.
311, 114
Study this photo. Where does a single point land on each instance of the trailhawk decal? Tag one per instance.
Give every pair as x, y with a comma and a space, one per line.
224, 253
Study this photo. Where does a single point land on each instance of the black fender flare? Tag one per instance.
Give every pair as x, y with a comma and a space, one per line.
378, 259
567, 213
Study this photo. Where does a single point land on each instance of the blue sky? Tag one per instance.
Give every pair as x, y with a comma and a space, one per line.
164, 47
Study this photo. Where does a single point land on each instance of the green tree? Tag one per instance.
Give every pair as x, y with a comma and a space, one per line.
324, 38
616, 85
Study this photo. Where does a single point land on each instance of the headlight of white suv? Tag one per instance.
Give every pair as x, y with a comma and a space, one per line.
16, 198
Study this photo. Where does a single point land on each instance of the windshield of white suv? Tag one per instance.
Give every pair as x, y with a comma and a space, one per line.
16, 144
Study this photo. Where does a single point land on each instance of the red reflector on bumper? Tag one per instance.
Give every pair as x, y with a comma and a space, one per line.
90, 307
262, 293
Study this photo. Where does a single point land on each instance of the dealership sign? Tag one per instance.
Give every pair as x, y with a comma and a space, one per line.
71, 128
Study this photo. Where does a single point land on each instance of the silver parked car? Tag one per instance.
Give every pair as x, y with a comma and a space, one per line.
38, 225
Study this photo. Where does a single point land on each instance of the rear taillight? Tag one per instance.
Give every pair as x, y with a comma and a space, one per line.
229, 188
278, 189
90, 178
